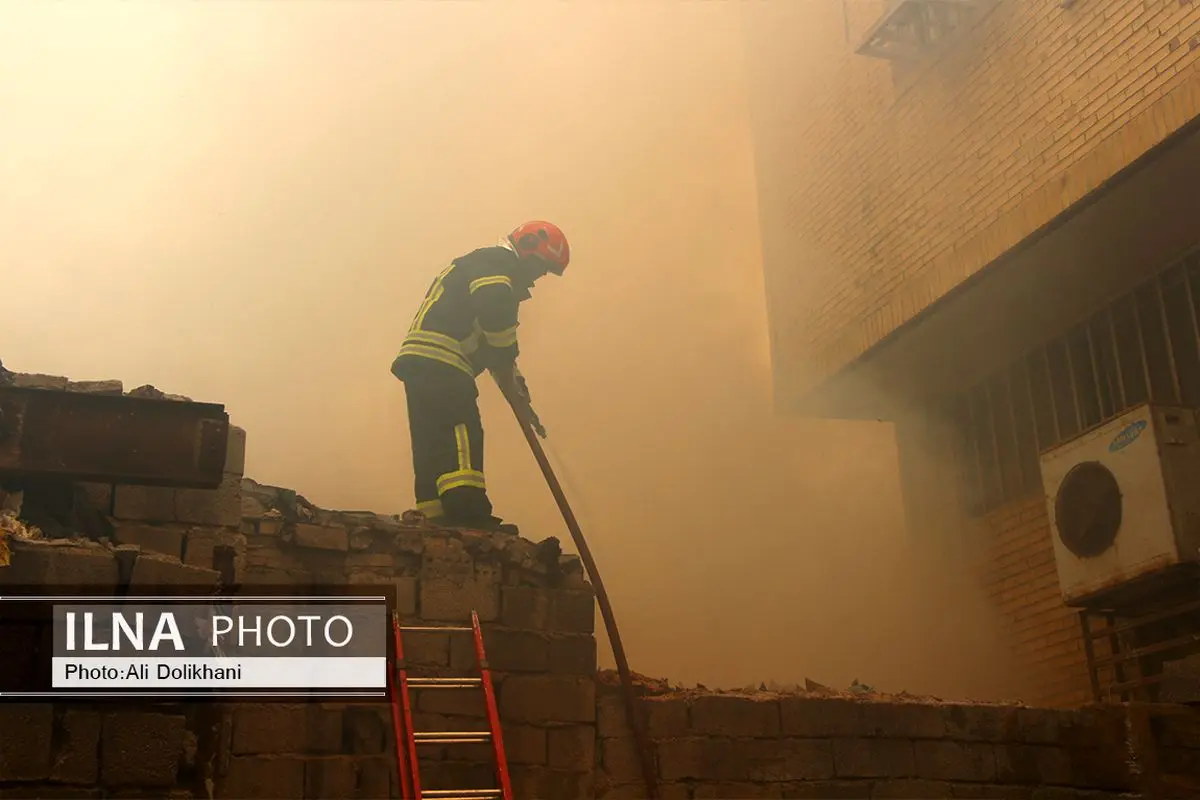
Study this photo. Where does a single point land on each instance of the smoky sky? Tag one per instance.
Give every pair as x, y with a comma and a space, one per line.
243, 202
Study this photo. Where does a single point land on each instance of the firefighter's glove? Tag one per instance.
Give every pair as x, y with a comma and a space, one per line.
535, 422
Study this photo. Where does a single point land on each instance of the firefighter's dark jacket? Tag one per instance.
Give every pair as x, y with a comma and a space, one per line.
468, 319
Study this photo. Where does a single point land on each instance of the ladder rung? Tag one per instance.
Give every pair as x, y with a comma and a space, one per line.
456, 737
436, 629
457, 794
444, 683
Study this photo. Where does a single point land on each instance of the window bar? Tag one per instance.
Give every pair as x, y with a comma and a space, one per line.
1191, 296
1096, 368
1120, 376
1071, 377
1137, 324
1049, 393
1162, 308
1022, 478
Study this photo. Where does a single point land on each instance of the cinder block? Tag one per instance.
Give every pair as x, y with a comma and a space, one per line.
574, 611
365, 729
524, 744
969, 723
820, 717
164, 539
377, 778
428, 648
547, 698
33, 380
525, 608
78, 759
445, 557
1032, 765
618, 758
264, 778
541, 782
735, 715
787, 759
99, 496
561, 610
573, 655
140, 749
955, 761
95, 387
145, 503
321, 537
221, 506
26, 757
903, 720
277, 729
573, 748
453, 703
235, 451
406, 596
507, 651
53, 565
667, 717
330, 776
445, 599
873, 758
699, 758
157, 570
379, 561
610, 715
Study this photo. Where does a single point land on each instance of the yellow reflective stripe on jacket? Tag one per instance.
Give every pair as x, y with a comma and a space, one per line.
434, 338
435, 293
437, 354
504, 338
491, 280
460, 478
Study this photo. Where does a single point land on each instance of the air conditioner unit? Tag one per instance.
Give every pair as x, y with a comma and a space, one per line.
1124, 500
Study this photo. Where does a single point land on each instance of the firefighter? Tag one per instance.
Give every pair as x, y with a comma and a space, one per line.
466, 324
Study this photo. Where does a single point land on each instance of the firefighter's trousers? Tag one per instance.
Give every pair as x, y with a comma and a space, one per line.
447, 445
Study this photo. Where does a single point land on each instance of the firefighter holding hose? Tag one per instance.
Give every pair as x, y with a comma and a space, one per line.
467, 323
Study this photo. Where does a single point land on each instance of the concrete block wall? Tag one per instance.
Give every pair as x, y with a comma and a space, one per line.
537, 610
538, 616
767, 745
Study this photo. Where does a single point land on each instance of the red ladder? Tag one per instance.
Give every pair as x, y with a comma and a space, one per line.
407, 739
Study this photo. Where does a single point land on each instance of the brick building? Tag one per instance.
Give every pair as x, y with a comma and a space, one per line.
983, 228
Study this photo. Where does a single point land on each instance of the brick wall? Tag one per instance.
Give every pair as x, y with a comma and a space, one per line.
878, 196
1020, 578
710, 745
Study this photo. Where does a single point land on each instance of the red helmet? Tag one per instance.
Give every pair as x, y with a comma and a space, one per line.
545, 240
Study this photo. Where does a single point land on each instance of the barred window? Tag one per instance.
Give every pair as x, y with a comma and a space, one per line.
1144, 346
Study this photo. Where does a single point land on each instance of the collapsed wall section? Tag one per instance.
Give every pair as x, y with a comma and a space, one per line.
536, 608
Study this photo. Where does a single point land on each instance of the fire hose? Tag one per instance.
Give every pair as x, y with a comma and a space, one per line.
529, 424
